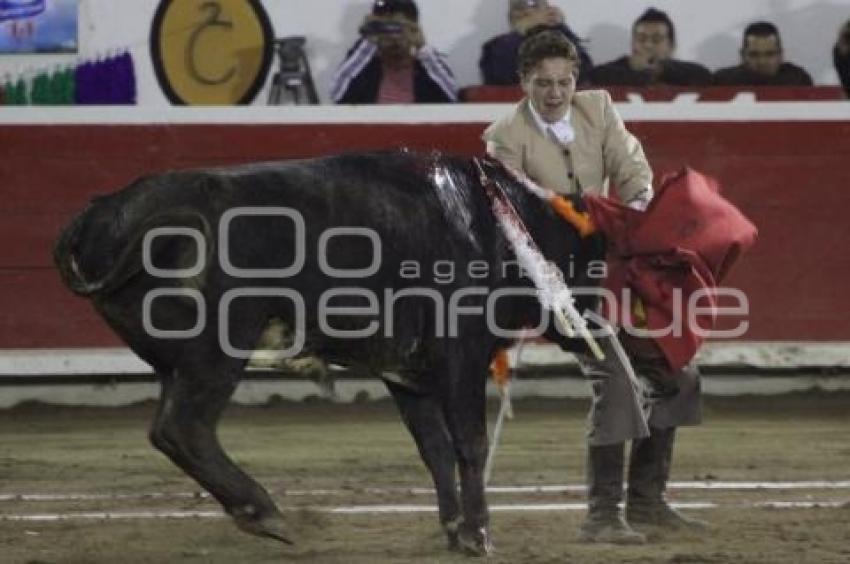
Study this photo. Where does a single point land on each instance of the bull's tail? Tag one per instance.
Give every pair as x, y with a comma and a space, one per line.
64, 260
127, 262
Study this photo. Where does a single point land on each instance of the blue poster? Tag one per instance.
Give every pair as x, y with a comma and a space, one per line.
38, 26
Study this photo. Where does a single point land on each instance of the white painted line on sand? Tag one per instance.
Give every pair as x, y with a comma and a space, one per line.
543, 489
373, 509
694, 485
101, 497
537, 507
398, 509
801, 504
115, 515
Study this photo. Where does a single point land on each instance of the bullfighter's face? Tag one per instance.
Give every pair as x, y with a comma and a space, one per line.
550, 87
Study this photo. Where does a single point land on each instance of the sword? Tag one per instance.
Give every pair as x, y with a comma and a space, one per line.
553, 290
506, 411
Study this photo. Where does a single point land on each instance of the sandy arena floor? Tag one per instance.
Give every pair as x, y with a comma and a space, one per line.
84, 485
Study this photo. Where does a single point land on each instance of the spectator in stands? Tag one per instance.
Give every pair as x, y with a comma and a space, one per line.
762, 62
498, 61
841, 56
391, 62
651, 62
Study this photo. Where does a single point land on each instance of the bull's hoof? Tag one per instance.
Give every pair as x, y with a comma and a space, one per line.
474, 541
450, 528
271, 526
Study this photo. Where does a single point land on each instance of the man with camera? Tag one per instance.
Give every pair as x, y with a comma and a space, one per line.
391, 63
841, 57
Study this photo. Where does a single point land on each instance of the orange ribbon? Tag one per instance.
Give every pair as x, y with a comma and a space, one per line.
500, 367
580, 220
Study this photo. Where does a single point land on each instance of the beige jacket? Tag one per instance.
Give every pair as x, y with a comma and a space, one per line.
602, 150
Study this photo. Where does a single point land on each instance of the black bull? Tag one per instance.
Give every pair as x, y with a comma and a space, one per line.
416, 218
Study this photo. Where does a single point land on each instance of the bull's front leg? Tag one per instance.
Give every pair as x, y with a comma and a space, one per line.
465, 410
423, 416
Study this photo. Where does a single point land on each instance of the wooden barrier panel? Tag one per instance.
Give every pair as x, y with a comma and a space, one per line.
790, 177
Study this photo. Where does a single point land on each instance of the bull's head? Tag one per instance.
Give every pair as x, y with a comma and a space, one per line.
562, 254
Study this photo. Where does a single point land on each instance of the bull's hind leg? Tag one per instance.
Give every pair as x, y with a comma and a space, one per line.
465, 411
423, 416
193, 399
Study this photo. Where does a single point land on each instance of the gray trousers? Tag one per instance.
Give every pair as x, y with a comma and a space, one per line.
621, 410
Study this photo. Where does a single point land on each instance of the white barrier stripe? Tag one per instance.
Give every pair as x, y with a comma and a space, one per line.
692, 485
400, 509
758, 354
684, 109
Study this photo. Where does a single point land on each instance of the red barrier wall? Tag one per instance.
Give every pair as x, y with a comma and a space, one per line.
790, 178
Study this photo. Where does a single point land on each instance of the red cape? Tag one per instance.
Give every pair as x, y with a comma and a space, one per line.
688, 238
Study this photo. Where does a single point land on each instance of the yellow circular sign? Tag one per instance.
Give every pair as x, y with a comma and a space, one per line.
211, 52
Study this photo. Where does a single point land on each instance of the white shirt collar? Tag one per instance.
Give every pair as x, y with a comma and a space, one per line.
561, 129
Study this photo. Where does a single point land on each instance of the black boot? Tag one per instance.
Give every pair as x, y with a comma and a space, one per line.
649, 470
604, 521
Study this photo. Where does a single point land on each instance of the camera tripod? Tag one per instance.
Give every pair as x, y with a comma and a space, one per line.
293, 82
